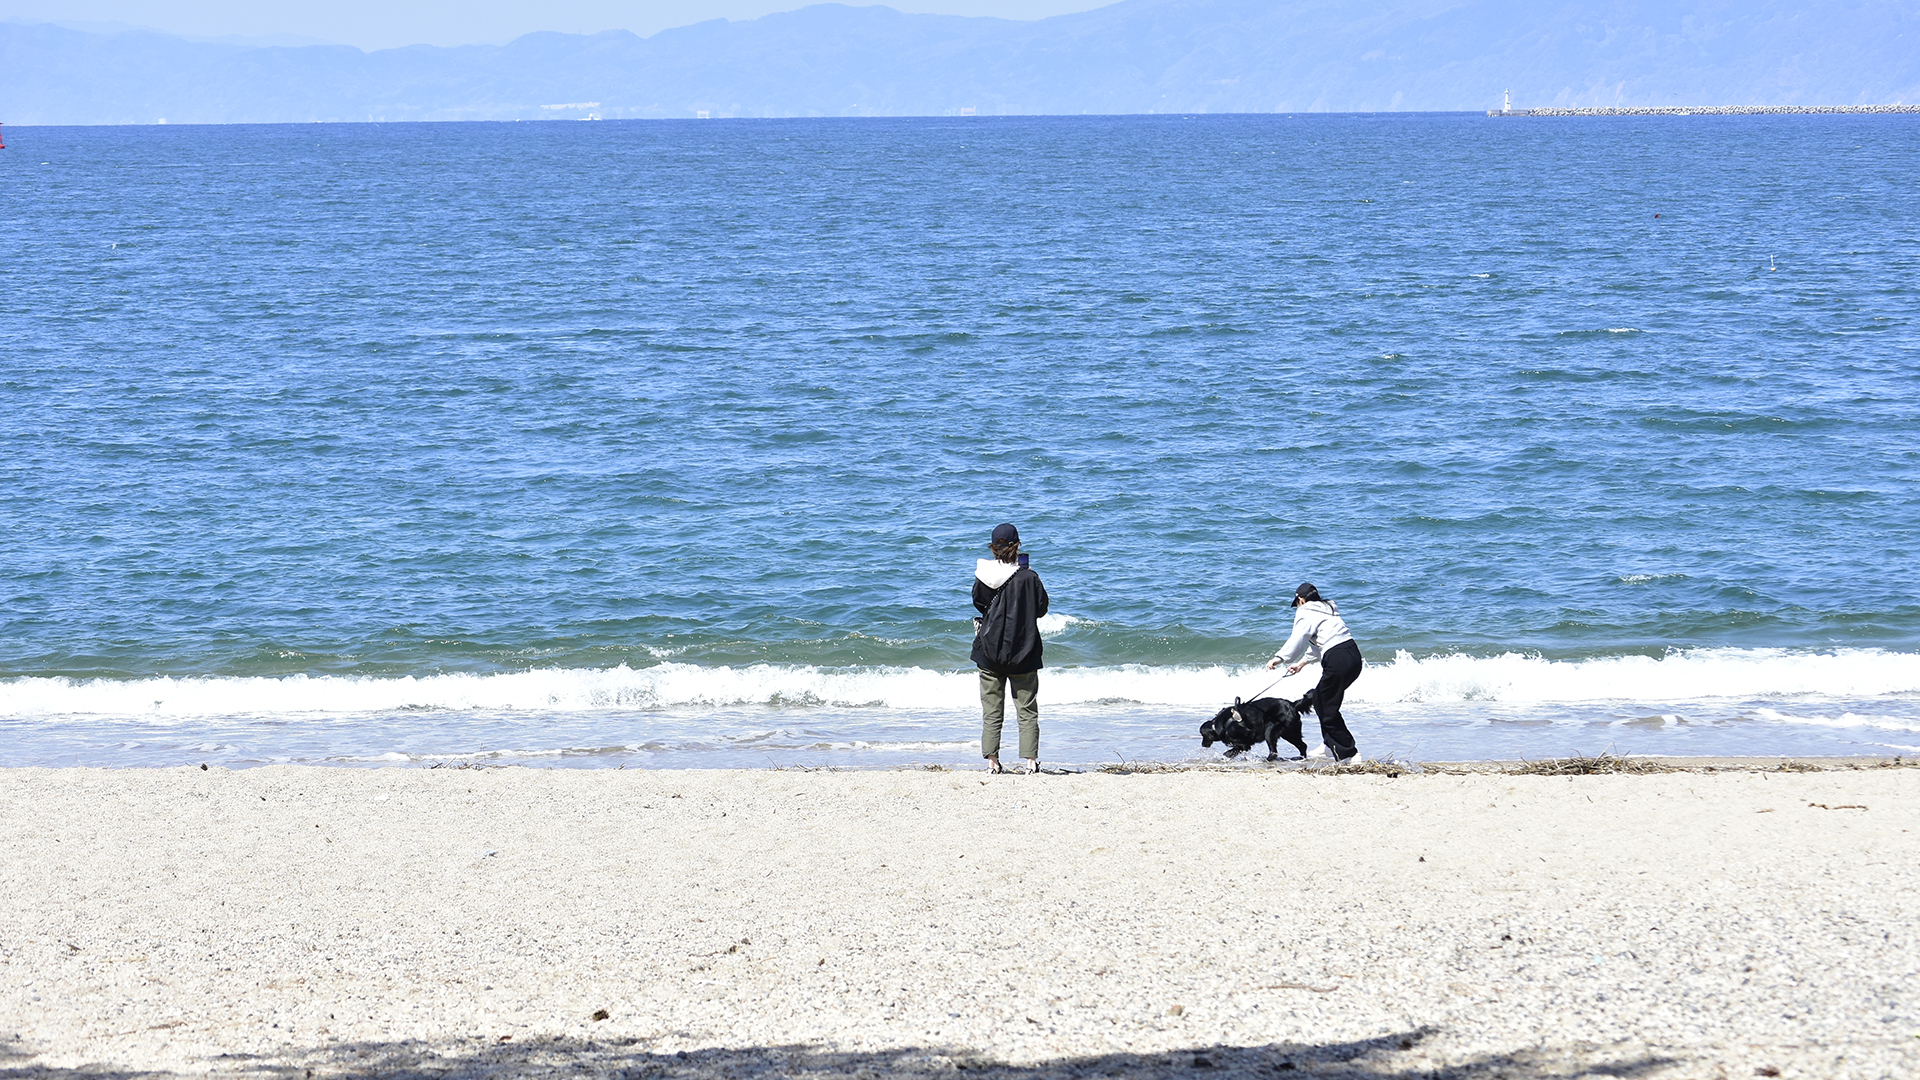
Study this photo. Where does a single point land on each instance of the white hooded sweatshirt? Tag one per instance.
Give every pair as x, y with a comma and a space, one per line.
1317, 627
993, 573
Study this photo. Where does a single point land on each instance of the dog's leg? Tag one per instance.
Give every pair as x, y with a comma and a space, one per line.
1290, 731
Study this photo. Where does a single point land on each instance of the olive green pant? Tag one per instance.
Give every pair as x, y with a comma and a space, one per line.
993, 706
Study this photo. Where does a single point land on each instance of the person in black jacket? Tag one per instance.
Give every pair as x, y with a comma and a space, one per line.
1006, 646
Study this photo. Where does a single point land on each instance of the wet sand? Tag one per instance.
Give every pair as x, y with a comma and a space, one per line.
296, 922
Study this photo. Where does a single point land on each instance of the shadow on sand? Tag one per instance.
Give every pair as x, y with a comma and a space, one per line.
1398, 1056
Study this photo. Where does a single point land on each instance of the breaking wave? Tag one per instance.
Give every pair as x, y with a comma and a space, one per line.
1697, 675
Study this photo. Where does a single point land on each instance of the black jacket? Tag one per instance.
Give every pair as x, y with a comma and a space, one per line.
1008, 640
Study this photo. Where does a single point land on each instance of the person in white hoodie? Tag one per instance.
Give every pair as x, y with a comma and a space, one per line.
1319, 633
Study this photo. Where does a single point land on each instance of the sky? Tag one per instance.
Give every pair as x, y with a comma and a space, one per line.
385, 24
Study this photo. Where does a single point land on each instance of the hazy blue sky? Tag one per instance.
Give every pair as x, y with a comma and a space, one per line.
382, 24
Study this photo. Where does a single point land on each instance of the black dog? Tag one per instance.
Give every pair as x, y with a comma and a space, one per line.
1264, 719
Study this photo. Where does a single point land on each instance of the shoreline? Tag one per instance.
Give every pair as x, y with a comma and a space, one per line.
1602, 763
271, 921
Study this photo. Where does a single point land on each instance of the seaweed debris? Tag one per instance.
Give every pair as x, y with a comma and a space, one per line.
1590, 766
1363, 768
1133, 768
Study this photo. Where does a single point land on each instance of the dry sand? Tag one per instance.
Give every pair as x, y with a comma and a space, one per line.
297, 922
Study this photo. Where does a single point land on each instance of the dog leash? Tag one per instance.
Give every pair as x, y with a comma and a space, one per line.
1273, 684
1235, 707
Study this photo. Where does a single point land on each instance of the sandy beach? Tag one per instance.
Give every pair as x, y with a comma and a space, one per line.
301, 922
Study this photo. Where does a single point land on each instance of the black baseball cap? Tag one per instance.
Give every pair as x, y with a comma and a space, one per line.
1306, 593
1006, 534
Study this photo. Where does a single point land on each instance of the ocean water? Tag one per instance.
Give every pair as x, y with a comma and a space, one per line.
673, 443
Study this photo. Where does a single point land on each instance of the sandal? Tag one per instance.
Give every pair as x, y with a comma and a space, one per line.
994, 766
1033, 767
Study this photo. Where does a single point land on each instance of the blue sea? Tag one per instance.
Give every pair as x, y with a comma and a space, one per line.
672, 444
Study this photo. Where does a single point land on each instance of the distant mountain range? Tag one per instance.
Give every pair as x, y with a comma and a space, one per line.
1137, 56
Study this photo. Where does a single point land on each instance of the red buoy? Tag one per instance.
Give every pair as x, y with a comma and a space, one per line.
3, 142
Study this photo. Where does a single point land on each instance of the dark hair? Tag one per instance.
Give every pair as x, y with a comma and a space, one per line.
1005, 550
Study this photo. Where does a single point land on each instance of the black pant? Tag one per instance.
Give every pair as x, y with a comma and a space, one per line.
1339, 666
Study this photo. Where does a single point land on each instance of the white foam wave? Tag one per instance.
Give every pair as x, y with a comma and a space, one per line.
1843, 720
1055, 623
1690, 676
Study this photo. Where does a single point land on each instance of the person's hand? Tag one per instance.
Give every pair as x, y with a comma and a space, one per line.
1273, 663
1295, 669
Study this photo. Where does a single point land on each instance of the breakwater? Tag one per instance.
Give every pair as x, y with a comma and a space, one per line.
1710, 110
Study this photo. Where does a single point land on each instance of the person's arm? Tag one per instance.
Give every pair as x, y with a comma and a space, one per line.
982, 596
1295, 646
1043, 594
